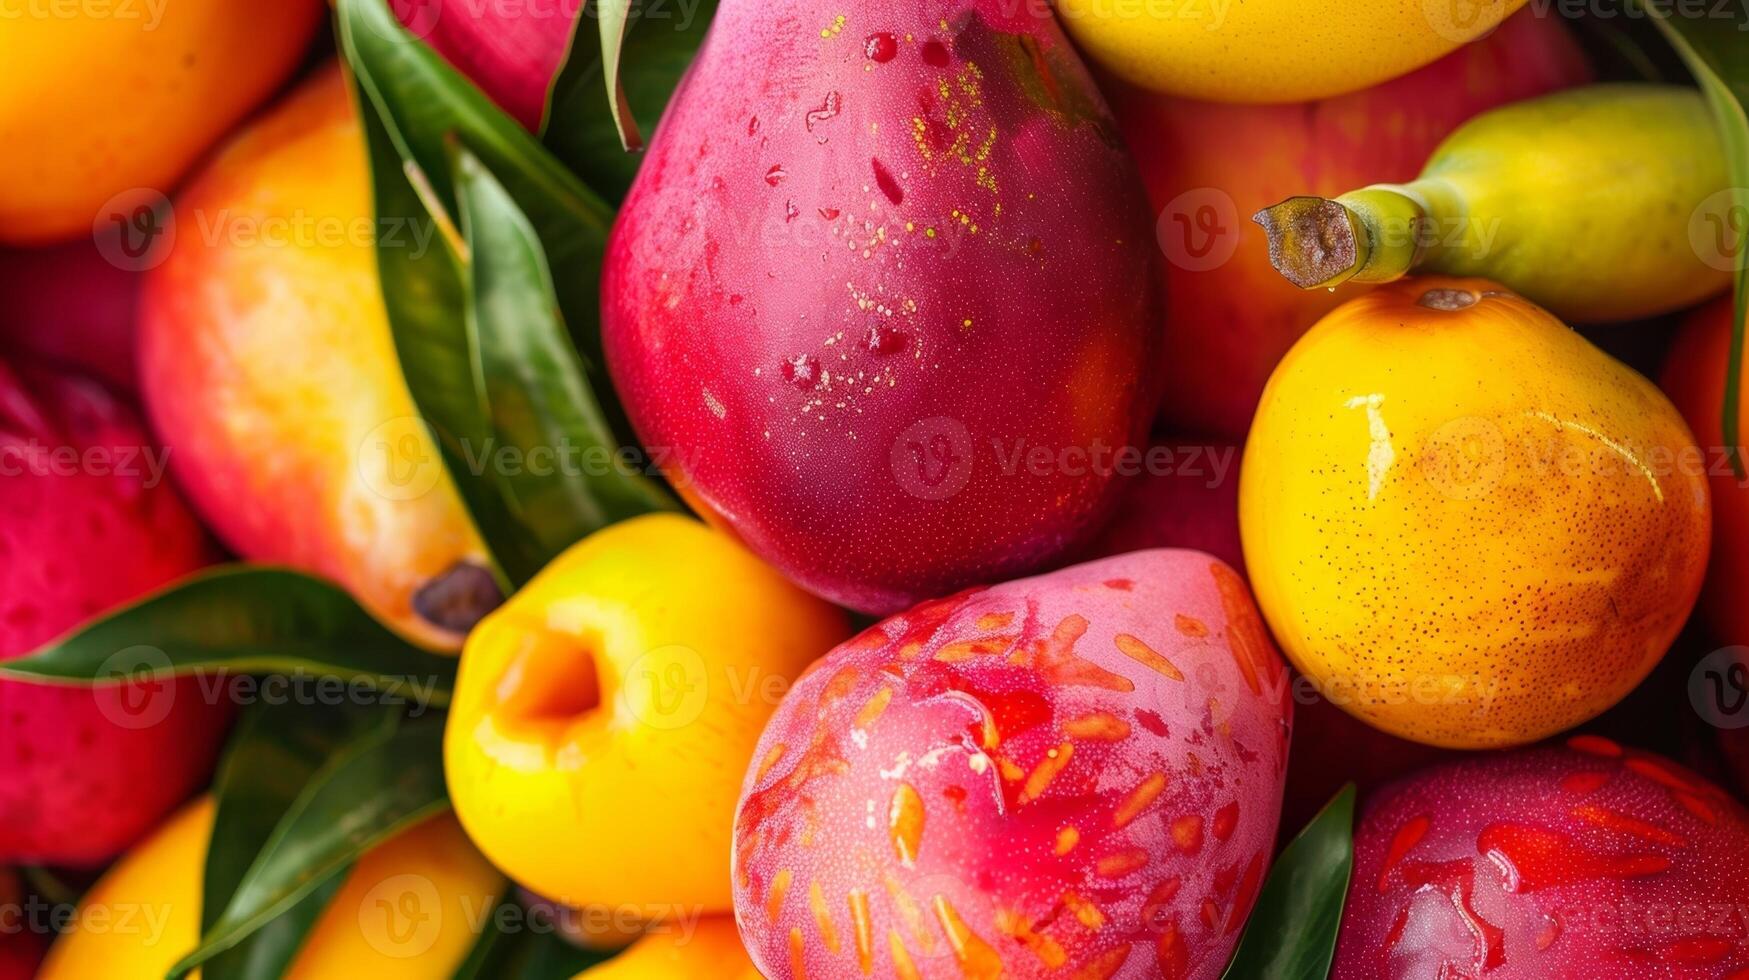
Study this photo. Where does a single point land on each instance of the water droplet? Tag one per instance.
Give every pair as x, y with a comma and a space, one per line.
935, 54
883, 339
881, 48
889, 186
830, 214
753, 126
828, 109
775, 175
803, 371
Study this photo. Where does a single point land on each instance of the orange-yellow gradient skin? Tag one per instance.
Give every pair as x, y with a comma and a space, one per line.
605, 716
1470, 525
144, 914
1273, 50
97, 99
713, 950
269, 370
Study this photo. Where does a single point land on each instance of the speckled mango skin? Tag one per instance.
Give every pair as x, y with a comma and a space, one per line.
1072, 775
877, 255
1586, 862
617, 698
1272, 50
1471, 524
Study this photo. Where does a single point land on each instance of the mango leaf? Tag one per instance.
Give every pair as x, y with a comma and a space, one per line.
386, 780
1292, 931
636, 62
242, 619
534, 384
424, 104
267, 763
1714, 42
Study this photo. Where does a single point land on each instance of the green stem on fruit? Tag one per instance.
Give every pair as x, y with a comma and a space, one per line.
1375, 234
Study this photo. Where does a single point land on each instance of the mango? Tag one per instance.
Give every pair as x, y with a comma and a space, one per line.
1187, 496
1072, 775
1209, 166
99, 100
1464, 523
712, 950
71, 306
89, 521
409, 909
1585, 860
510, 50
1272, 50
883, 295
616, 699
268, 367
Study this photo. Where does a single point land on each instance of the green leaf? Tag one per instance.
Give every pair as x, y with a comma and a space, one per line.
388, 779
1292, 931
424, 103
269, 760
1714, 42
657, 42
242, 619
540, 401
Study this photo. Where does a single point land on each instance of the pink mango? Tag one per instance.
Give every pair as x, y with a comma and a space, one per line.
510, 50
72, 306
1187, 496
1071, 775
1588, 861
883, 296
88, 520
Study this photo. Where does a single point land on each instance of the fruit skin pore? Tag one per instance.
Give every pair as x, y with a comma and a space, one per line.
617, 697
267, 363
99, 104
428, 875
1589, 861
89, 769
1271, 50
1469, 523
881, 290
1227, 325
1075, 774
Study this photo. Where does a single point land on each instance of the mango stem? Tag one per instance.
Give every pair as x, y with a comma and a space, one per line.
1370, 235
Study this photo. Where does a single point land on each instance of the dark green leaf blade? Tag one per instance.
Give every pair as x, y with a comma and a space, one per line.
659, 42
1714, 42
384, 782
243, 619
267, 763
1292, 931
539, 398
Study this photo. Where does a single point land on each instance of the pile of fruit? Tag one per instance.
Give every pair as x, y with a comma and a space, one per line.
951, 489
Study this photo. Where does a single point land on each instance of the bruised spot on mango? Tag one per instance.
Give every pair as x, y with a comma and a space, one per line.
1047, 769
1140, 798
967, 649
1147, 656
1187, 833
1190, 625
1067, 838
1055, 658
1623, 823
1121, 863
994, 621
1100, 726
977, 959
905, 823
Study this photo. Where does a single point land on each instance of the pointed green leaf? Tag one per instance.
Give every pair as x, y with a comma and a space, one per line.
658, 42
242, 619
385, 781
1291, 934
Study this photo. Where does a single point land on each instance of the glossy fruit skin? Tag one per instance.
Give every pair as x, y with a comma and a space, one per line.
1190, 499
1450, 514
1229, 323
1272, 50
88, 522
1076, 772
427, 874
1588, 862
511, 51
846, 305
712, 950
97, 124
617, 697
71, 306
1694, 378
268, 366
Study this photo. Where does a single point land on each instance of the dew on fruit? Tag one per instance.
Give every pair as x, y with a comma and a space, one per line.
882, 339
802, 371
881, 47
1530, 858
776, 175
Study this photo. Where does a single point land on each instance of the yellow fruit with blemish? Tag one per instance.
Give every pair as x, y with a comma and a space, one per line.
1468, 526
144, 914
604, 717
709, 948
